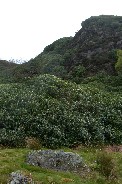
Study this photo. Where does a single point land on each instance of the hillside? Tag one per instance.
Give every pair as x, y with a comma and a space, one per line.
92, 58
92, 50
68, 97
41, 104
96, 44
6, 70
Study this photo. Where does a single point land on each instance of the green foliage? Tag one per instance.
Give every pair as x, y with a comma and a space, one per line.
50, 61
6, 69
105, 82
58, 46
103, 20
53, 64
12, 137
59, 113
77, 73
118, 65
93, 47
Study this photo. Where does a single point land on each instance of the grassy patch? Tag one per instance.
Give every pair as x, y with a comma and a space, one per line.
14, 159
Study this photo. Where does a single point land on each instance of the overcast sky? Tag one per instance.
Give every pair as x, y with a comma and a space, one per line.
27, 26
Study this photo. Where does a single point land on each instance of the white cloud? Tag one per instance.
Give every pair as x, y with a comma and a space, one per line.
27, 26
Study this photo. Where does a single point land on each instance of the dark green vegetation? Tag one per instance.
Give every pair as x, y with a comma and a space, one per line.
34, 102
68, 95
118, 65
92, 50
12, 160
60, 113
6, 71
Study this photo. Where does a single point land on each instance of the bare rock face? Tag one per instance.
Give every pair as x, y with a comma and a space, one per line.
57, 160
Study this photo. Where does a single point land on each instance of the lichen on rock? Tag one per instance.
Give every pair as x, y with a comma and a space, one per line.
57, 160
19, 178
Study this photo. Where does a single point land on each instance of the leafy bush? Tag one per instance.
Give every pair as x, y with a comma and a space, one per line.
12, 138
59, 113
77, 73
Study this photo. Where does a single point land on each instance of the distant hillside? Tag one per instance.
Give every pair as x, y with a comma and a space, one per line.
50, 61
6, 65
6, 70
91, 51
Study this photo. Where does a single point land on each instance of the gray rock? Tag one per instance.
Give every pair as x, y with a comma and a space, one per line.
57, 160
19, 178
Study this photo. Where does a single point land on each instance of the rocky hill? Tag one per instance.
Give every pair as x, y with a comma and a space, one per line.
96, 43
92, 50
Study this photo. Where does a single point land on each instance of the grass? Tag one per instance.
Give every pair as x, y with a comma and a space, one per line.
14, 159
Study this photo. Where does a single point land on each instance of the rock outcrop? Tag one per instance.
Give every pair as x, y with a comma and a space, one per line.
96, 42
57, 160
19, 178
93, 48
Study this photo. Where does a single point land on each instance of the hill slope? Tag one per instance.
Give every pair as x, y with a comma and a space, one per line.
63, 113
6, 70
97, 42
92, 50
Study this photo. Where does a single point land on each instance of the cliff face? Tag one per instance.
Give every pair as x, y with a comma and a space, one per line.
95, 43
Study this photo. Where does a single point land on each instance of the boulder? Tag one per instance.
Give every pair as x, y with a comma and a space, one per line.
19, 178
57, 160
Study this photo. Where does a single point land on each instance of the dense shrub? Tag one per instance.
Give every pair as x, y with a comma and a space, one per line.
12, 138
59, 113
77, 73
118, 65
